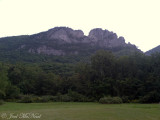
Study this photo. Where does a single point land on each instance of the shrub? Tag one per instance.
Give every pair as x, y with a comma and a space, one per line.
35, 99
11, 100
77, 97
152, 97
46, 98
110, 100
1, 102
26, 99
117, 100
2, 94
66, 98
12, 92
135, 101
70, 97
55, 98
106, 100
125, 99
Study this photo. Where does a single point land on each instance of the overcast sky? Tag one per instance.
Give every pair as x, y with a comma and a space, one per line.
138, 21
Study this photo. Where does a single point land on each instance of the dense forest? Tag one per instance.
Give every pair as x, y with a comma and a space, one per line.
133, 78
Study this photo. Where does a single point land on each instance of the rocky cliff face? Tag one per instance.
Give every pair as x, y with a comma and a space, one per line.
61, 41
102, 38
105, 38
69, 38
46, 50
65, 35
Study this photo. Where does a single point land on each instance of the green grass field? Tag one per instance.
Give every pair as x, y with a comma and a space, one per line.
81, 111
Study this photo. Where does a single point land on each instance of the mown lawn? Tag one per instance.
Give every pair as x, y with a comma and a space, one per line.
81, 111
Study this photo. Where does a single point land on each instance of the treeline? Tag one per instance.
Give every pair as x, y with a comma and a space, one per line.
133, 78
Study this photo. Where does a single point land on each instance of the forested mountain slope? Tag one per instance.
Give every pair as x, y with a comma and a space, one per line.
61, 44
154, 50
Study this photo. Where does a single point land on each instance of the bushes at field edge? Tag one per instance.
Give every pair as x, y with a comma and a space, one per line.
110, 100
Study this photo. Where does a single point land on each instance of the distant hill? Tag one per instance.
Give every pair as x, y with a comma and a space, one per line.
154, 50
61, 44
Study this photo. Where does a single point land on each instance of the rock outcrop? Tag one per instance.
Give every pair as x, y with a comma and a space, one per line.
46, 50
62, 41
105, 38
102, 38
65, 35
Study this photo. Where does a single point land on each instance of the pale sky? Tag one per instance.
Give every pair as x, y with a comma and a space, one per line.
138, 21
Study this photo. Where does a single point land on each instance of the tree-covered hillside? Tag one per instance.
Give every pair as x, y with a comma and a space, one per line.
62, 45
133, 78
154, 50
62, 64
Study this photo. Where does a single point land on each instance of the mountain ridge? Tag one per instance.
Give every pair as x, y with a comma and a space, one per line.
64, 41
153, 50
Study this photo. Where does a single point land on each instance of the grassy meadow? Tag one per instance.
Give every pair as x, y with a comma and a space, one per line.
81, 111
